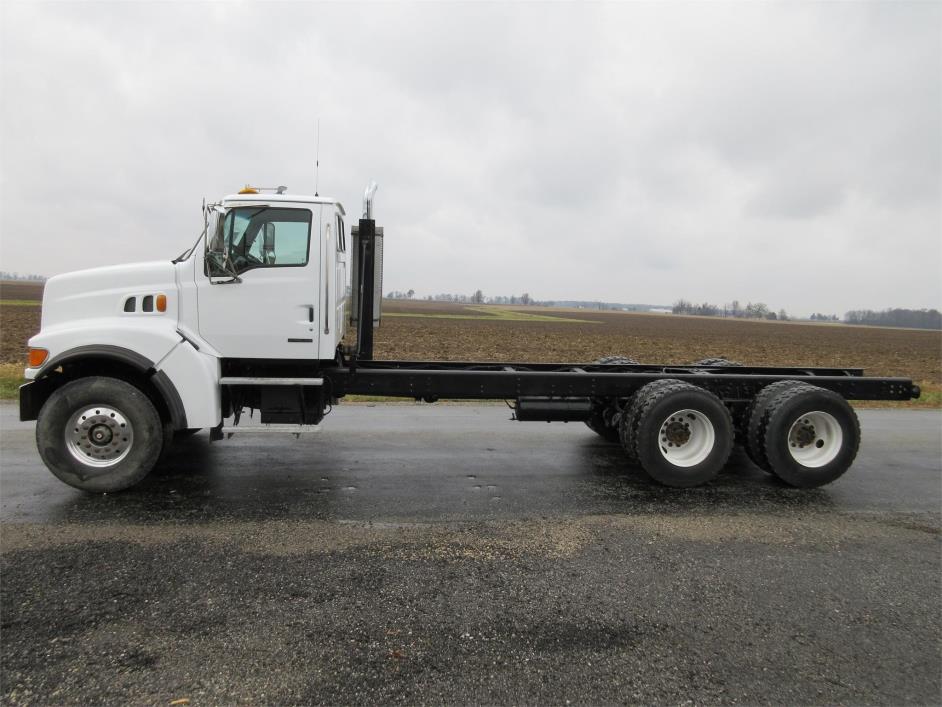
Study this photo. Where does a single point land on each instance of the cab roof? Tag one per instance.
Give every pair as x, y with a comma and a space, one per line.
233, 199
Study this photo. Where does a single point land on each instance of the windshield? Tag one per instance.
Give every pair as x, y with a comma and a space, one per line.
260, 236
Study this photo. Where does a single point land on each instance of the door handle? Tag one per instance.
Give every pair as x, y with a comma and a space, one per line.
310, 314
326, 306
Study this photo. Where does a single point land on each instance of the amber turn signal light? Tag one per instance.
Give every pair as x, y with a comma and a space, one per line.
161, 303
37, 357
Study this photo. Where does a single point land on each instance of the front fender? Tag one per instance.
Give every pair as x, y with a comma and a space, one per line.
134, 341
140, 348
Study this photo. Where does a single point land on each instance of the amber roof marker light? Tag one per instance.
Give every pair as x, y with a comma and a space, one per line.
161, 302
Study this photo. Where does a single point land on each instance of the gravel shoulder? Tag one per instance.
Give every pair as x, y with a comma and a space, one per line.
423, 554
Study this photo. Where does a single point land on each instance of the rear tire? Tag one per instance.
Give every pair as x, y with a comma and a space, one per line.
756, 420
722, 362
681, 435
617, 360
99, 434
604, 409
812, 436
627, 421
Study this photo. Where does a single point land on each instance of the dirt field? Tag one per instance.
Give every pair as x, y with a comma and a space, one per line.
21, 290
441, 331
653, 338
19, 319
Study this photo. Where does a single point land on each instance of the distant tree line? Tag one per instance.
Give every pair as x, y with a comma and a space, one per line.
752, 310
477, 297
4, 275
912, 318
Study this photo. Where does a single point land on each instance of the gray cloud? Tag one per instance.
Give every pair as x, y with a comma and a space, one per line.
638, 152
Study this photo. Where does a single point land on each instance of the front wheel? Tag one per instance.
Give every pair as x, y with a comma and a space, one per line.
99, 434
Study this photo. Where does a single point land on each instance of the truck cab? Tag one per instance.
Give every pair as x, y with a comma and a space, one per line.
264, 291
272, 281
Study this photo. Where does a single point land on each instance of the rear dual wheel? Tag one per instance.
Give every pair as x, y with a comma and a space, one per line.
680, 434
805, 435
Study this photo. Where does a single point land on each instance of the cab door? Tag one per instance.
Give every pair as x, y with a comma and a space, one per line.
258, 292
341, 287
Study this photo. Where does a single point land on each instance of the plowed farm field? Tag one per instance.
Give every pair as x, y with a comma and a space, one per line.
454, 332
19, 318
417, 330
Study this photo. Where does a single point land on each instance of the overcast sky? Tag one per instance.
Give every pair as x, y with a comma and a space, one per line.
784, 153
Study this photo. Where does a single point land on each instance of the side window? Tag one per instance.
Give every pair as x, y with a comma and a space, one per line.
341, 239
266, 237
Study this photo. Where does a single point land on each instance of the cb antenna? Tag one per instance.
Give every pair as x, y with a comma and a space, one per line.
317, 153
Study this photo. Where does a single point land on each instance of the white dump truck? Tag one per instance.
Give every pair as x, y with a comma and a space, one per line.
254, 316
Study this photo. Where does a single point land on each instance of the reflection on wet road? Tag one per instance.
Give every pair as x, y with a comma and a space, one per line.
457, 463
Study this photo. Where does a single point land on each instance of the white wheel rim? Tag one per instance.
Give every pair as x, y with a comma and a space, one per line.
686, 438
814, 439
99, 436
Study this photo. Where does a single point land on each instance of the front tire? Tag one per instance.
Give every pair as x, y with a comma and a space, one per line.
186, 433
99, 434
681, 435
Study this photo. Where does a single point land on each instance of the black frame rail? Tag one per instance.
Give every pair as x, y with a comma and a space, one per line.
432, 380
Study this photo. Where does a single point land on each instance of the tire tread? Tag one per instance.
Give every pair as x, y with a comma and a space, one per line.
785, 397
757, 419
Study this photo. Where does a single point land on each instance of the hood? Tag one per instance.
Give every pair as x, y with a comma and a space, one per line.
103, 292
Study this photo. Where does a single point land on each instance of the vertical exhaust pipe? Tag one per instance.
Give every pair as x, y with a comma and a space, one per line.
368, 247
368, 195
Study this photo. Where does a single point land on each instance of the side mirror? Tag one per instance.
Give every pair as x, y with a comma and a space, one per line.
216, 255
268, 243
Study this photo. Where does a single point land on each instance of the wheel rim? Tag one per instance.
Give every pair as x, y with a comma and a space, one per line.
99, 436
815, 438
686, 438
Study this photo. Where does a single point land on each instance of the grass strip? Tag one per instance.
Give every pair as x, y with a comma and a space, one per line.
11, 378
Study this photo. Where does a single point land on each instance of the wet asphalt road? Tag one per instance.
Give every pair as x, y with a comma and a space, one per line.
430, 553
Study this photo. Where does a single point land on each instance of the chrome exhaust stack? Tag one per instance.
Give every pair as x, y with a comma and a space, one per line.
368, 195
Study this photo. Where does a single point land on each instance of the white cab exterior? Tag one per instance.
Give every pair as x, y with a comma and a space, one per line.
296, 312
